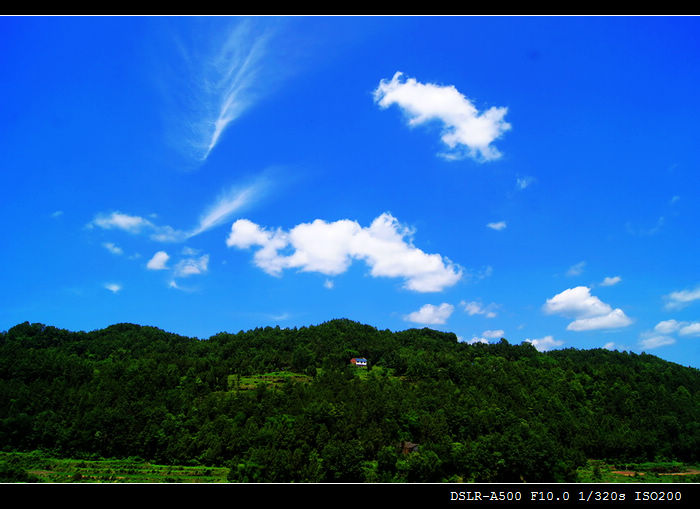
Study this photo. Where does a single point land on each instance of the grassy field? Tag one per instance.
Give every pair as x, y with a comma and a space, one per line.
655, 472
274, 379
38, 467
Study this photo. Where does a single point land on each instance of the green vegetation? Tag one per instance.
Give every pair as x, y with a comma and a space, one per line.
648, 472
285, 405
38, 467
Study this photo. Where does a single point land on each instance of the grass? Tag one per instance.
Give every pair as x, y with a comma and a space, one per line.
273, 379
597, 471
40, 467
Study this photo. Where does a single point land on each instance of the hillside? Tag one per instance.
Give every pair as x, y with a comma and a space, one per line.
286, 405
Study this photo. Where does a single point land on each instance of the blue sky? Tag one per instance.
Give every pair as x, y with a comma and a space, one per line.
531, 178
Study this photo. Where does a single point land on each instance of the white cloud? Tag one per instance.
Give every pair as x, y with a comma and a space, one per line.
430, 314
329, 248
576, 270
610, 281
493, 334
113, 248
680, 299
691, 329
613, 320
544, 344
524, 182
497, 226
655, 341
158, 261
113, 287
328, 283
136, 225
57, 213
192, 266
218, 79
227, 204
683, 328
120, 221
476, 339
218, 212
610, 346
667, 326
590, 312
476, 308
466, 131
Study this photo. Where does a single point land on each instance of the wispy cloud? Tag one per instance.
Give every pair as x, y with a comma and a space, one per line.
650, 341
524, 182
476, 308
386, 246
466, 131
113, 248
682, 298
576, 269
228, 203
113, 287
220, 77
192, 266
225, 205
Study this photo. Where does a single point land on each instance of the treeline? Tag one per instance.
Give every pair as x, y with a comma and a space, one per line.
485, 413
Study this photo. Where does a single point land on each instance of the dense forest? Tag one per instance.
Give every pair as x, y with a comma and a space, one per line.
427, 407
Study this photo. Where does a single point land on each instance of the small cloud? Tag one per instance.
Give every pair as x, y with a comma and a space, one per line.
544, 344
691, 329
610, 281
609, 346
476, 339
524, 182
476, 308
613, 320
576, 270
646, 232
192, 266
328, 283
589, 312
656, 341
493, 334
497, 226
675, 200
158, 261
113, 287
466, 131
136, 225
58, 213
431, 315
681, 299
667, 326
113, 248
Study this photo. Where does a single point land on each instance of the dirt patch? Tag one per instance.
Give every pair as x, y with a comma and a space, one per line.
630, 473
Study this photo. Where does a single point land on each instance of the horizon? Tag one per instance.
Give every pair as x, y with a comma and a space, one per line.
515, 177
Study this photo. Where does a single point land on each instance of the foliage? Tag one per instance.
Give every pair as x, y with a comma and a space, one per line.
285, 405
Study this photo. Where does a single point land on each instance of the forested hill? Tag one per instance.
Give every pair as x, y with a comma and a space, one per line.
287, 405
